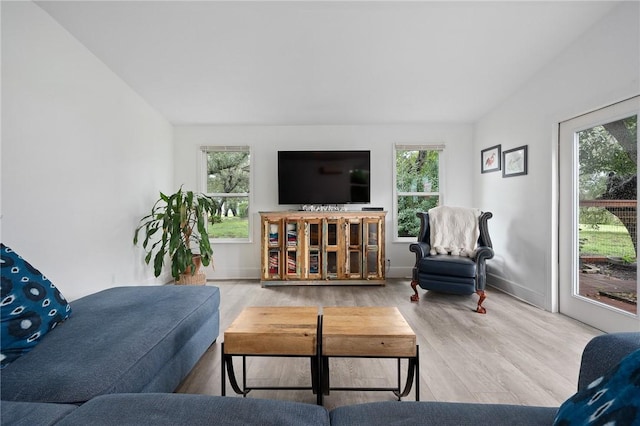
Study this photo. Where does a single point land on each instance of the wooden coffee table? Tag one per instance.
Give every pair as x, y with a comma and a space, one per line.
271, 331
368, 332
285, 331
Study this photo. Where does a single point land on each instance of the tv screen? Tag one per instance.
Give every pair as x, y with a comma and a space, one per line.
323, 177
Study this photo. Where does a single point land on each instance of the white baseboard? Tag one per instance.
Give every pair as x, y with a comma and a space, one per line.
516, 290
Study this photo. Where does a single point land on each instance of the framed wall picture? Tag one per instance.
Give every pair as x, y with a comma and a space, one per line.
490, 159
514, 162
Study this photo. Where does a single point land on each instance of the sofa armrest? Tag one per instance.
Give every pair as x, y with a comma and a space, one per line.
420, 249
604, 352
482, 253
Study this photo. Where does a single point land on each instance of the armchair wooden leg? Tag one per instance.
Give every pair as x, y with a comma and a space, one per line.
482, 295
415, 297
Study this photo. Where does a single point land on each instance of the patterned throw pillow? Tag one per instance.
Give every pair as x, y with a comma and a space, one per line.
613, 399
30, 306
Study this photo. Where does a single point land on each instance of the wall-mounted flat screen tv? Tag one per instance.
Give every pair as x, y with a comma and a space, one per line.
324, 177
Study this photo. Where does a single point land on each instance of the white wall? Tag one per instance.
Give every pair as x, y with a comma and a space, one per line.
83, 157
243, 260
600, 68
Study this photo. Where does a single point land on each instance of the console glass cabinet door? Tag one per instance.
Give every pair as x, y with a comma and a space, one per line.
374, 261
313, 249
272, 249
331, 267
293, 267
354, 243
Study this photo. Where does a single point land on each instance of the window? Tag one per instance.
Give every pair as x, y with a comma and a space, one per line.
417, 186
226, 176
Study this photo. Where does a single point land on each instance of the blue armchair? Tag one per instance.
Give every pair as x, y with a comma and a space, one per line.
448, 273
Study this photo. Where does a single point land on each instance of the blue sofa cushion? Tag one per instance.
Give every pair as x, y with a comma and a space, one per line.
610, 399
31, 306
123, 339
17, 413
194, 410
411, 413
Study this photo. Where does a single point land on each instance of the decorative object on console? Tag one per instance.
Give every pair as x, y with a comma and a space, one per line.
515, 162
438, 270
490, 159
178, 227
323, 208
31, 306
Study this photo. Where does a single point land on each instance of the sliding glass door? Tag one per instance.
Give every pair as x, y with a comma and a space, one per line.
598, 217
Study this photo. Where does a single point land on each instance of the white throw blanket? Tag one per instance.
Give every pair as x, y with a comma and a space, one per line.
454, 230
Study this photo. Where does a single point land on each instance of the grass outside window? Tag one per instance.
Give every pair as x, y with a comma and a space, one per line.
230, 227
606, 240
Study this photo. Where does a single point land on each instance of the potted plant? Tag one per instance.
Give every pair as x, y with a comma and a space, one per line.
177, 227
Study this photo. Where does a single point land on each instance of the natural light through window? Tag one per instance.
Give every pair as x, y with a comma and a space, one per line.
417, 185
226, 176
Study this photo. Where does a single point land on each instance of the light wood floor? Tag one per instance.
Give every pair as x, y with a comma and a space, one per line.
515, 354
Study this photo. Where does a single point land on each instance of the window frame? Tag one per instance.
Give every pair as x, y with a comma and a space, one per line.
396, 194
202, 183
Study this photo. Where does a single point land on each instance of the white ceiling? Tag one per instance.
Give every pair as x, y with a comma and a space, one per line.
325, 62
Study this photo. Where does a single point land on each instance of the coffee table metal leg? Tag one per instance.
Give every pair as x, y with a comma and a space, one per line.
409, 382
320, 369
228, 368
314, 374
244, 376
413, 371
316, 379
320, 381
325, 375
417, 372
224, 377
228, 360
399, 379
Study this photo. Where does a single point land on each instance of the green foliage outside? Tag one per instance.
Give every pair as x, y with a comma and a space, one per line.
601, 153
416, 172
228, 180
606, 240
607, 171
594, 217
228, 172
603, 234
408, 222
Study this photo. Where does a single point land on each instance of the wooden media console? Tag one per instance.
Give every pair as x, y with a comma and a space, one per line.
300, 247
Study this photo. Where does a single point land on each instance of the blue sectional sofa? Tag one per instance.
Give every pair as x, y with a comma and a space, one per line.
601, 359
120, 340
166, 410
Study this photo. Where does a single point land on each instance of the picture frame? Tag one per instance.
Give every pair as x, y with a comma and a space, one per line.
514, 162
490, 159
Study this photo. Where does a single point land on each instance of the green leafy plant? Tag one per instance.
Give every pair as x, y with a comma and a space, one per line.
177, 227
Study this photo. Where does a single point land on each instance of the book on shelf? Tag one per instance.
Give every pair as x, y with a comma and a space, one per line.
274, 260
314, 263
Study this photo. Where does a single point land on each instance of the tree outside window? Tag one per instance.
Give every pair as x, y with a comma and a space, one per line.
607, 178
227, 178
417, 188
